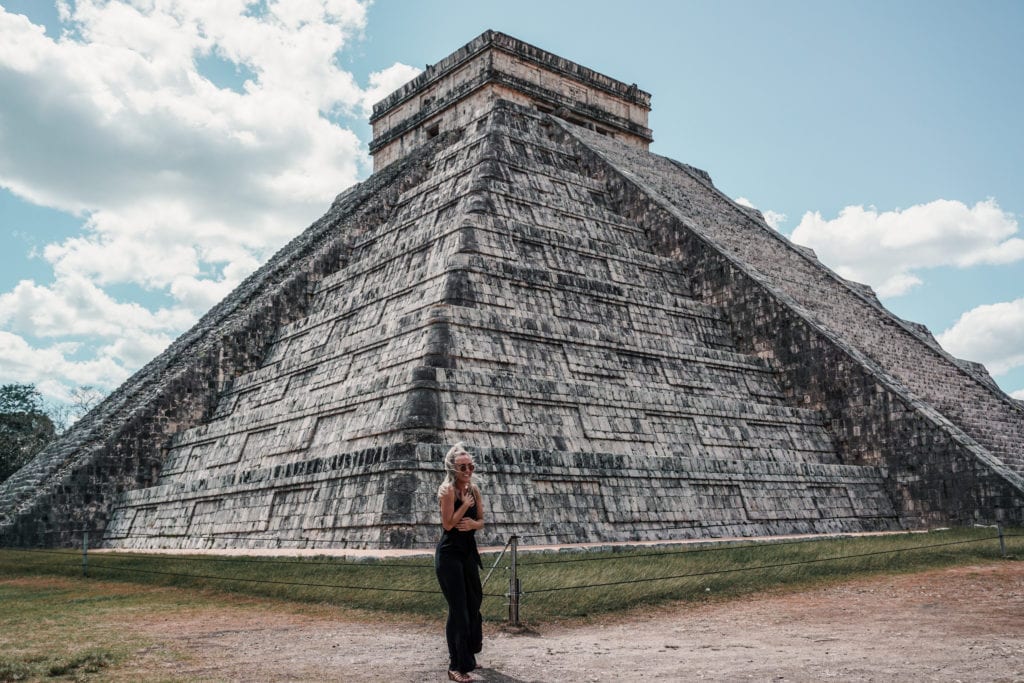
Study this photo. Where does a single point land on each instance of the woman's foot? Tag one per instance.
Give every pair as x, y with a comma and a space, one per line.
460, 677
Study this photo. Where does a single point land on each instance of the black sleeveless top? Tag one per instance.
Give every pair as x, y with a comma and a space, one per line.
460, 542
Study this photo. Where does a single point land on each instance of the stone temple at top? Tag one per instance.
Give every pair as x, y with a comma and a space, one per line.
628, 352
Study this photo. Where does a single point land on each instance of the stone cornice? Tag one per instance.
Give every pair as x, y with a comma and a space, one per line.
513, 46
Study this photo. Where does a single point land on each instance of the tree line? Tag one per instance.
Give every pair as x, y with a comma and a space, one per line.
28, 424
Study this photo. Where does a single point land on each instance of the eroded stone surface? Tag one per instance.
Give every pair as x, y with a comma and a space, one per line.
629, 354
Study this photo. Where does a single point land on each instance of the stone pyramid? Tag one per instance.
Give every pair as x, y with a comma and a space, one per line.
630, 354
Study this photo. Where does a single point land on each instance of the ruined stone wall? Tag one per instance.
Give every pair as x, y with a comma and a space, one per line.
504, 303
617, 375
629, 354
387, 496
122, 443
573, 336
936, 472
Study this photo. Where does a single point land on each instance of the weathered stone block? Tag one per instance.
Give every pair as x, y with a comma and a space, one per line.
629, 353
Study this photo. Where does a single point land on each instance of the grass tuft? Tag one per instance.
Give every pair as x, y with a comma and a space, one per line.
88, 662
13, 670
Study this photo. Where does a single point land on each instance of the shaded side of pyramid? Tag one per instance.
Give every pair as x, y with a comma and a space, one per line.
893, 396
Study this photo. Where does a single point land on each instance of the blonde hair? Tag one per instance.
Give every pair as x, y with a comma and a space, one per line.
449, 467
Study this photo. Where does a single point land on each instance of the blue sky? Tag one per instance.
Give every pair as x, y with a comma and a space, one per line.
153, 153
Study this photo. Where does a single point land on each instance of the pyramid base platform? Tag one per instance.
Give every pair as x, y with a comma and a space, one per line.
387, 498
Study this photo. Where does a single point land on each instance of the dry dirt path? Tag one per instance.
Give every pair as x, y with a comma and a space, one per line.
963, 624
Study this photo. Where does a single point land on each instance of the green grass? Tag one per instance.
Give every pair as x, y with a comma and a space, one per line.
556, 584
88, 662
408, 585
54, 629
635, 577
57, 625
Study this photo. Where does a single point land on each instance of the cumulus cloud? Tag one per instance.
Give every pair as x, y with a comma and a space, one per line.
51, 369
888, 250
125, 334
992, 334
74, 306
1018, 394
383, 83
183, 186
772, 218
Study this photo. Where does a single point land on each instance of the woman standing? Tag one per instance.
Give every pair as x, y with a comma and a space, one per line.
457, 562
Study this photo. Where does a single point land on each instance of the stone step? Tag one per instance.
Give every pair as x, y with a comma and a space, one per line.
614, 496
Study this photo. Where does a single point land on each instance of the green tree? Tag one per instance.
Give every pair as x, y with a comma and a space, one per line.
25, 428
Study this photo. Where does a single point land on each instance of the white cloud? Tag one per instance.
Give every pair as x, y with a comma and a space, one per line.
124, 123
79, 317
887, 250
1019, 394
992, 334
74, 306
383, 83
50, 369
184, 187
772, 218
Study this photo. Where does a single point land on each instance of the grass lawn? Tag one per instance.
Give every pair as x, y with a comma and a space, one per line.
56, 624
55, 628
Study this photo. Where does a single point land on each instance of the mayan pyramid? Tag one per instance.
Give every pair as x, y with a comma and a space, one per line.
631, 355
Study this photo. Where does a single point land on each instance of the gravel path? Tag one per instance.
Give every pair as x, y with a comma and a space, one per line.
964, 624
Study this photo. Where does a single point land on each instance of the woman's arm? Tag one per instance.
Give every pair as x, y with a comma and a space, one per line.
469, 524
451, 516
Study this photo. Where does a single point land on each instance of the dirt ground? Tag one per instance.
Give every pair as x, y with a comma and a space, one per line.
961, 624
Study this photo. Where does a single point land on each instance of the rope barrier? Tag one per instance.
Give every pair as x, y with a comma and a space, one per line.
94, 565
413, 542
756, 567
267, 581
516, 594
42, 551
185, 557
333, 542
689, 551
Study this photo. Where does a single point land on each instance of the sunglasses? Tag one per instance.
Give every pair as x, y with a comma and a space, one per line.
466, 467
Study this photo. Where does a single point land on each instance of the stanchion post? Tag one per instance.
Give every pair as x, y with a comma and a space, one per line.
513, 583
85, 553
1002, 541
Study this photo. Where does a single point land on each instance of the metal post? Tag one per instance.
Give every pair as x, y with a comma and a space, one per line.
1002, 541
85, 553
513, 584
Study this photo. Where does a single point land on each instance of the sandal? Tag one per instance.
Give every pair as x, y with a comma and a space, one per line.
460, 677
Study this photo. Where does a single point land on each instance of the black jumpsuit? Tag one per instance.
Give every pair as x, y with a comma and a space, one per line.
457, 564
